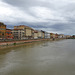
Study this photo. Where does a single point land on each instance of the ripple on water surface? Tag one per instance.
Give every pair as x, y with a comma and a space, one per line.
41, 58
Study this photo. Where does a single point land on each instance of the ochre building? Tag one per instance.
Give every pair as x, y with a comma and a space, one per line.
9, 34
2, 31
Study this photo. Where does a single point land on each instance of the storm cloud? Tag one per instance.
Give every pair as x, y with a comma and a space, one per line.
56, 16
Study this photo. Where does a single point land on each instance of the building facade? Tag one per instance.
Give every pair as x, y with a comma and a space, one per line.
43, 34
18, 34
52, 35
47, 35
9, 34
56, 35
2, 31
73, 36
39, 34
68, 36
61, 36
27, 30
35, 34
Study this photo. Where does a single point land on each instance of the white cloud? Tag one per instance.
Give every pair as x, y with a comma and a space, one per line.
13, 14
47, 14
44, 13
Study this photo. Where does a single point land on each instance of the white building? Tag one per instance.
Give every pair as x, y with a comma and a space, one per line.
61, 36
47, 35
18, 33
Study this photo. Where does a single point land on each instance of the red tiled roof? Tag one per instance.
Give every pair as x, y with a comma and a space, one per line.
17, 29
24, 26
35, 31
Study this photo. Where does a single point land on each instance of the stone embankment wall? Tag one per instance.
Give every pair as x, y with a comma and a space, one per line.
17, 43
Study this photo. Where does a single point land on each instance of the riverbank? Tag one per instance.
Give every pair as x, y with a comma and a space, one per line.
11, 44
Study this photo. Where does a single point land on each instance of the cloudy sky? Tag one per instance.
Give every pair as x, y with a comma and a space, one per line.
56, 16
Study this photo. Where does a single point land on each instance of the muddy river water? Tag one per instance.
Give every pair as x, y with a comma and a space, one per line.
40, 58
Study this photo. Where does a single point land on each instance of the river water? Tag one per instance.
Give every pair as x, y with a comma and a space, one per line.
40, 58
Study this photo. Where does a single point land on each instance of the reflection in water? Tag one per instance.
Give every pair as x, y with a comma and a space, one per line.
41, 58
45, 44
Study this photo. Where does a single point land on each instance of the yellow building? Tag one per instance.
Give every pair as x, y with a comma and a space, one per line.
68, 36
52, 35
39, 34
2, 31
19, 27
35, 34
28, 31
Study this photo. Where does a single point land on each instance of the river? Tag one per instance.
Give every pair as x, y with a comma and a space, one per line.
40, 58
